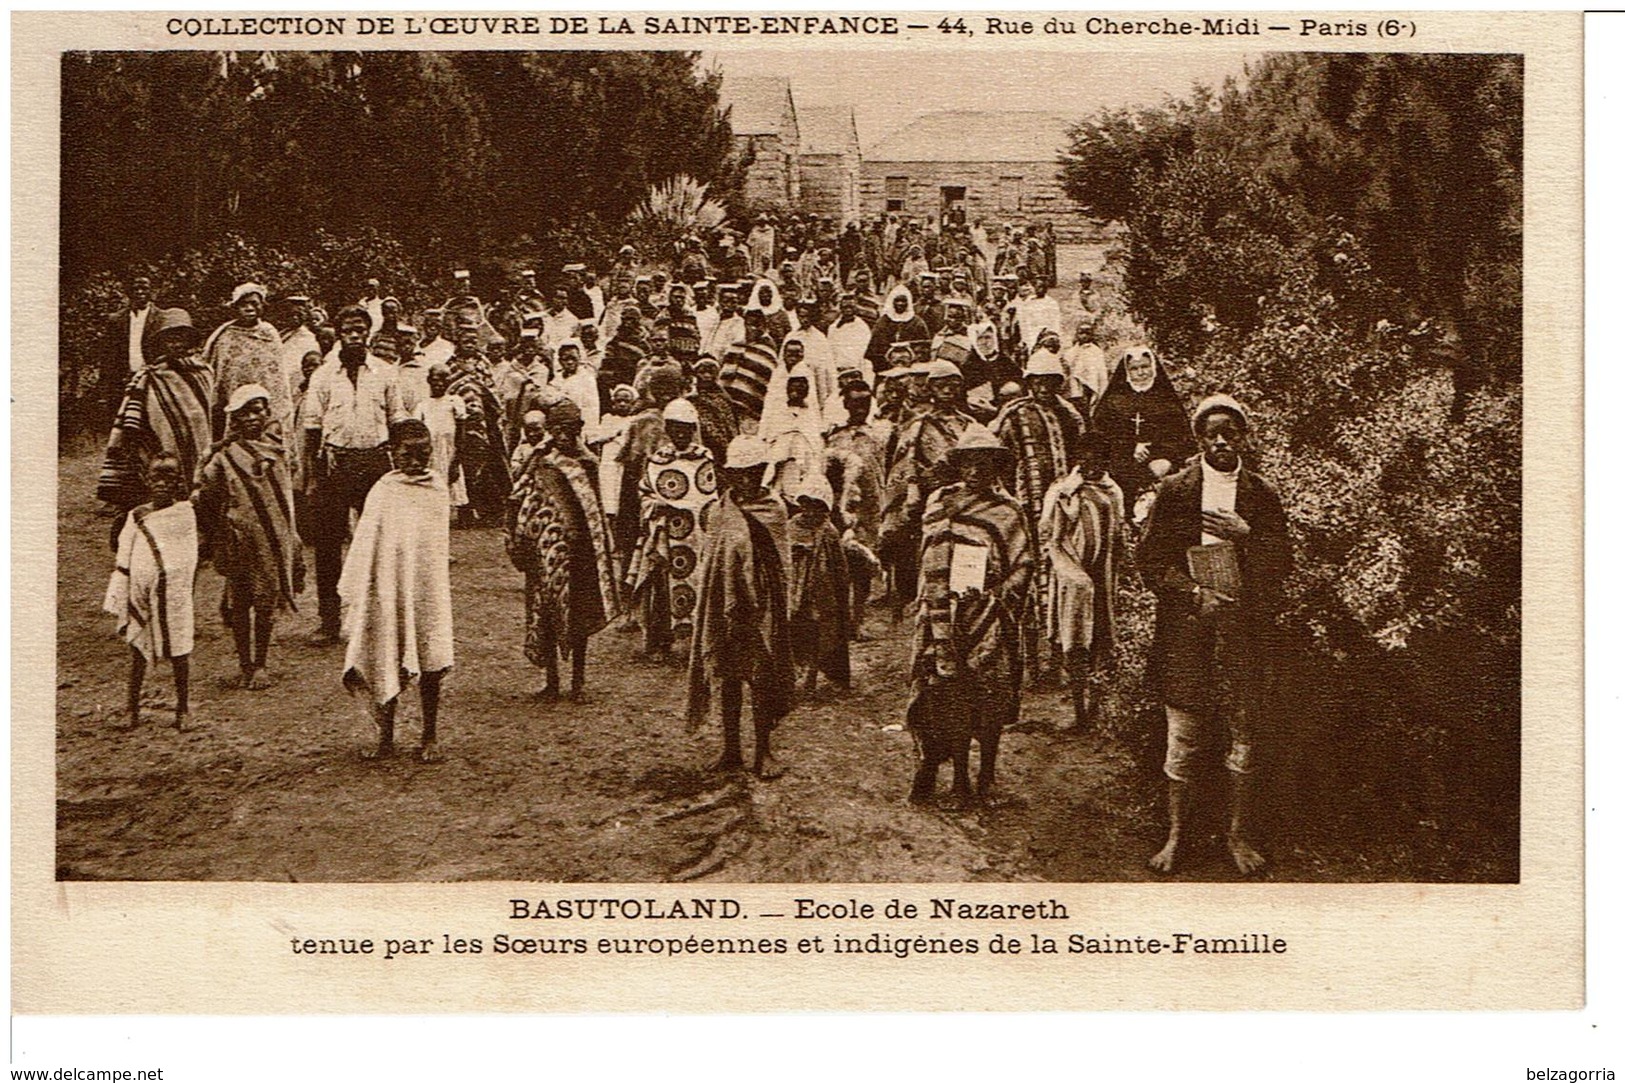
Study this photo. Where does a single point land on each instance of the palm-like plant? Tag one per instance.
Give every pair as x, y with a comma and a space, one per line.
672, 210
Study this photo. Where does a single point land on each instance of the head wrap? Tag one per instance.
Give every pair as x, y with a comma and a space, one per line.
1218, 403
245, 289
680, 410
244, 395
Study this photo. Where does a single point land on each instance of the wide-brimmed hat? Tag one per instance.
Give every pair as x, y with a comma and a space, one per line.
941, 369
1044, 363
978, 440
168, 321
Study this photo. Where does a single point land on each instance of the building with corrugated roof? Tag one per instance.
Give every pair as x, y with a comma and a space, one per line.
997, 166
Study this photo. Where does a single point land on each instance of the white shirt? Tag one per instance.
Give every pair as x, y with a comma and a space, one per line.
581, 389
727, 332
558, 328
138, 326
1218, 494
354, 415
1037, 314
438, 352
707, 319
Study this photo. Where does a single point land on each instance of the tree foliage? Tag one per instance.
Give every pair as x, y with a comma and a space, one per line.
1338, 242
462, 153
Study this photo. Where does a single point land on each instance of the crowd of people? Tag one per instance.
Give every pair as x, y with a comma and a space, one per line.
735, 448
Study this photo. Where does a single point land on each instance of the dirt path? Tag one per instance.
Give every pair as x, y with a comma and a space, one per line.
270, 787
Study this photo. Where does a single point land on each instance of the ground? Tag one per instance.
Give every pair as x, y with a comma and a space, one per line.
270, 785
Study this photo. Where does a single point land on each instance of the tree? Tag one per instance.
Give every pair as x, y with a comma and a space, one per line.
1339, 244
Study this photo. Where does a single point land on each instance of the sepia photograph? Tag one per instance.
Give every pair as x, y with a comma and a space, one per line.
749, 467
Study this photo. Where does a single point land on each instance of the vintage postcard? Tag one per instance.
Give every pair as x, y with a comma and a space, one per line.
816, 510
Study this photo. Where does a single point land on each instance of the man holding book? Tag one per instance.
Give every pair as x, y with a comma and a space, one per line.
1216, 551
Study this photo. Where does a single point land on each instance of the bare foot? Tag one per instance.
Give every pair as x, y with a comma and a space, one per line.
727, 765
257, 680
323, 637
549, 694
381, 751
768, 768
126, 722
579, 695
1248, 860
1163, 860
183, 721
429, 752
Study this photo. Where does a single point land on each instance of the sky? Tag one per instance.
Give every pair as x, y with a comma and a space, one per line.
889, 88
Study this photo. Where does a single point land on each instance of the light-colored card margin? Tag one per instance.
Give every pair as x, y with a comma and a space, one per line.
222, 947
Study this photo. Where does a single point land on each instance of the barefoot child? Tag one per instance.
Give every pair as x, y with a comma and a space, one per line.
151, 589
1083, 533
245, 513
820, 595
741, 622
396, 589
558, 537
444, 415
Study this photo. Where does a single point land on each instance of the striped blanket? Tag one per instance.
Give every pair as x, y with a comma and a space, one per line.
746, 372
166, 410
1082, 531
245, 512
741, 623
918, 467
1043, 439
968, 648
150, 591
481, 449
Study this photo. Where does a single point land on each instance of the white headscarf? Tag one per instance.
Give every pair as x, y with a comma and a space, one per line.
977, 330
775, 403
1156, 363
891, 298
756, 304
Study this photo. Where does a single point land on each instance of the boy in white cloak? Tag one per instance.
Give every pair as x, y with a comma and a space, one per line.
151, 588
396, 590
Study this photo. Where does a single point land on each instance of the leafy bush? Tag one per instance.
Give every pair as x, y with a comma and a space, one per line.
1380, 355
